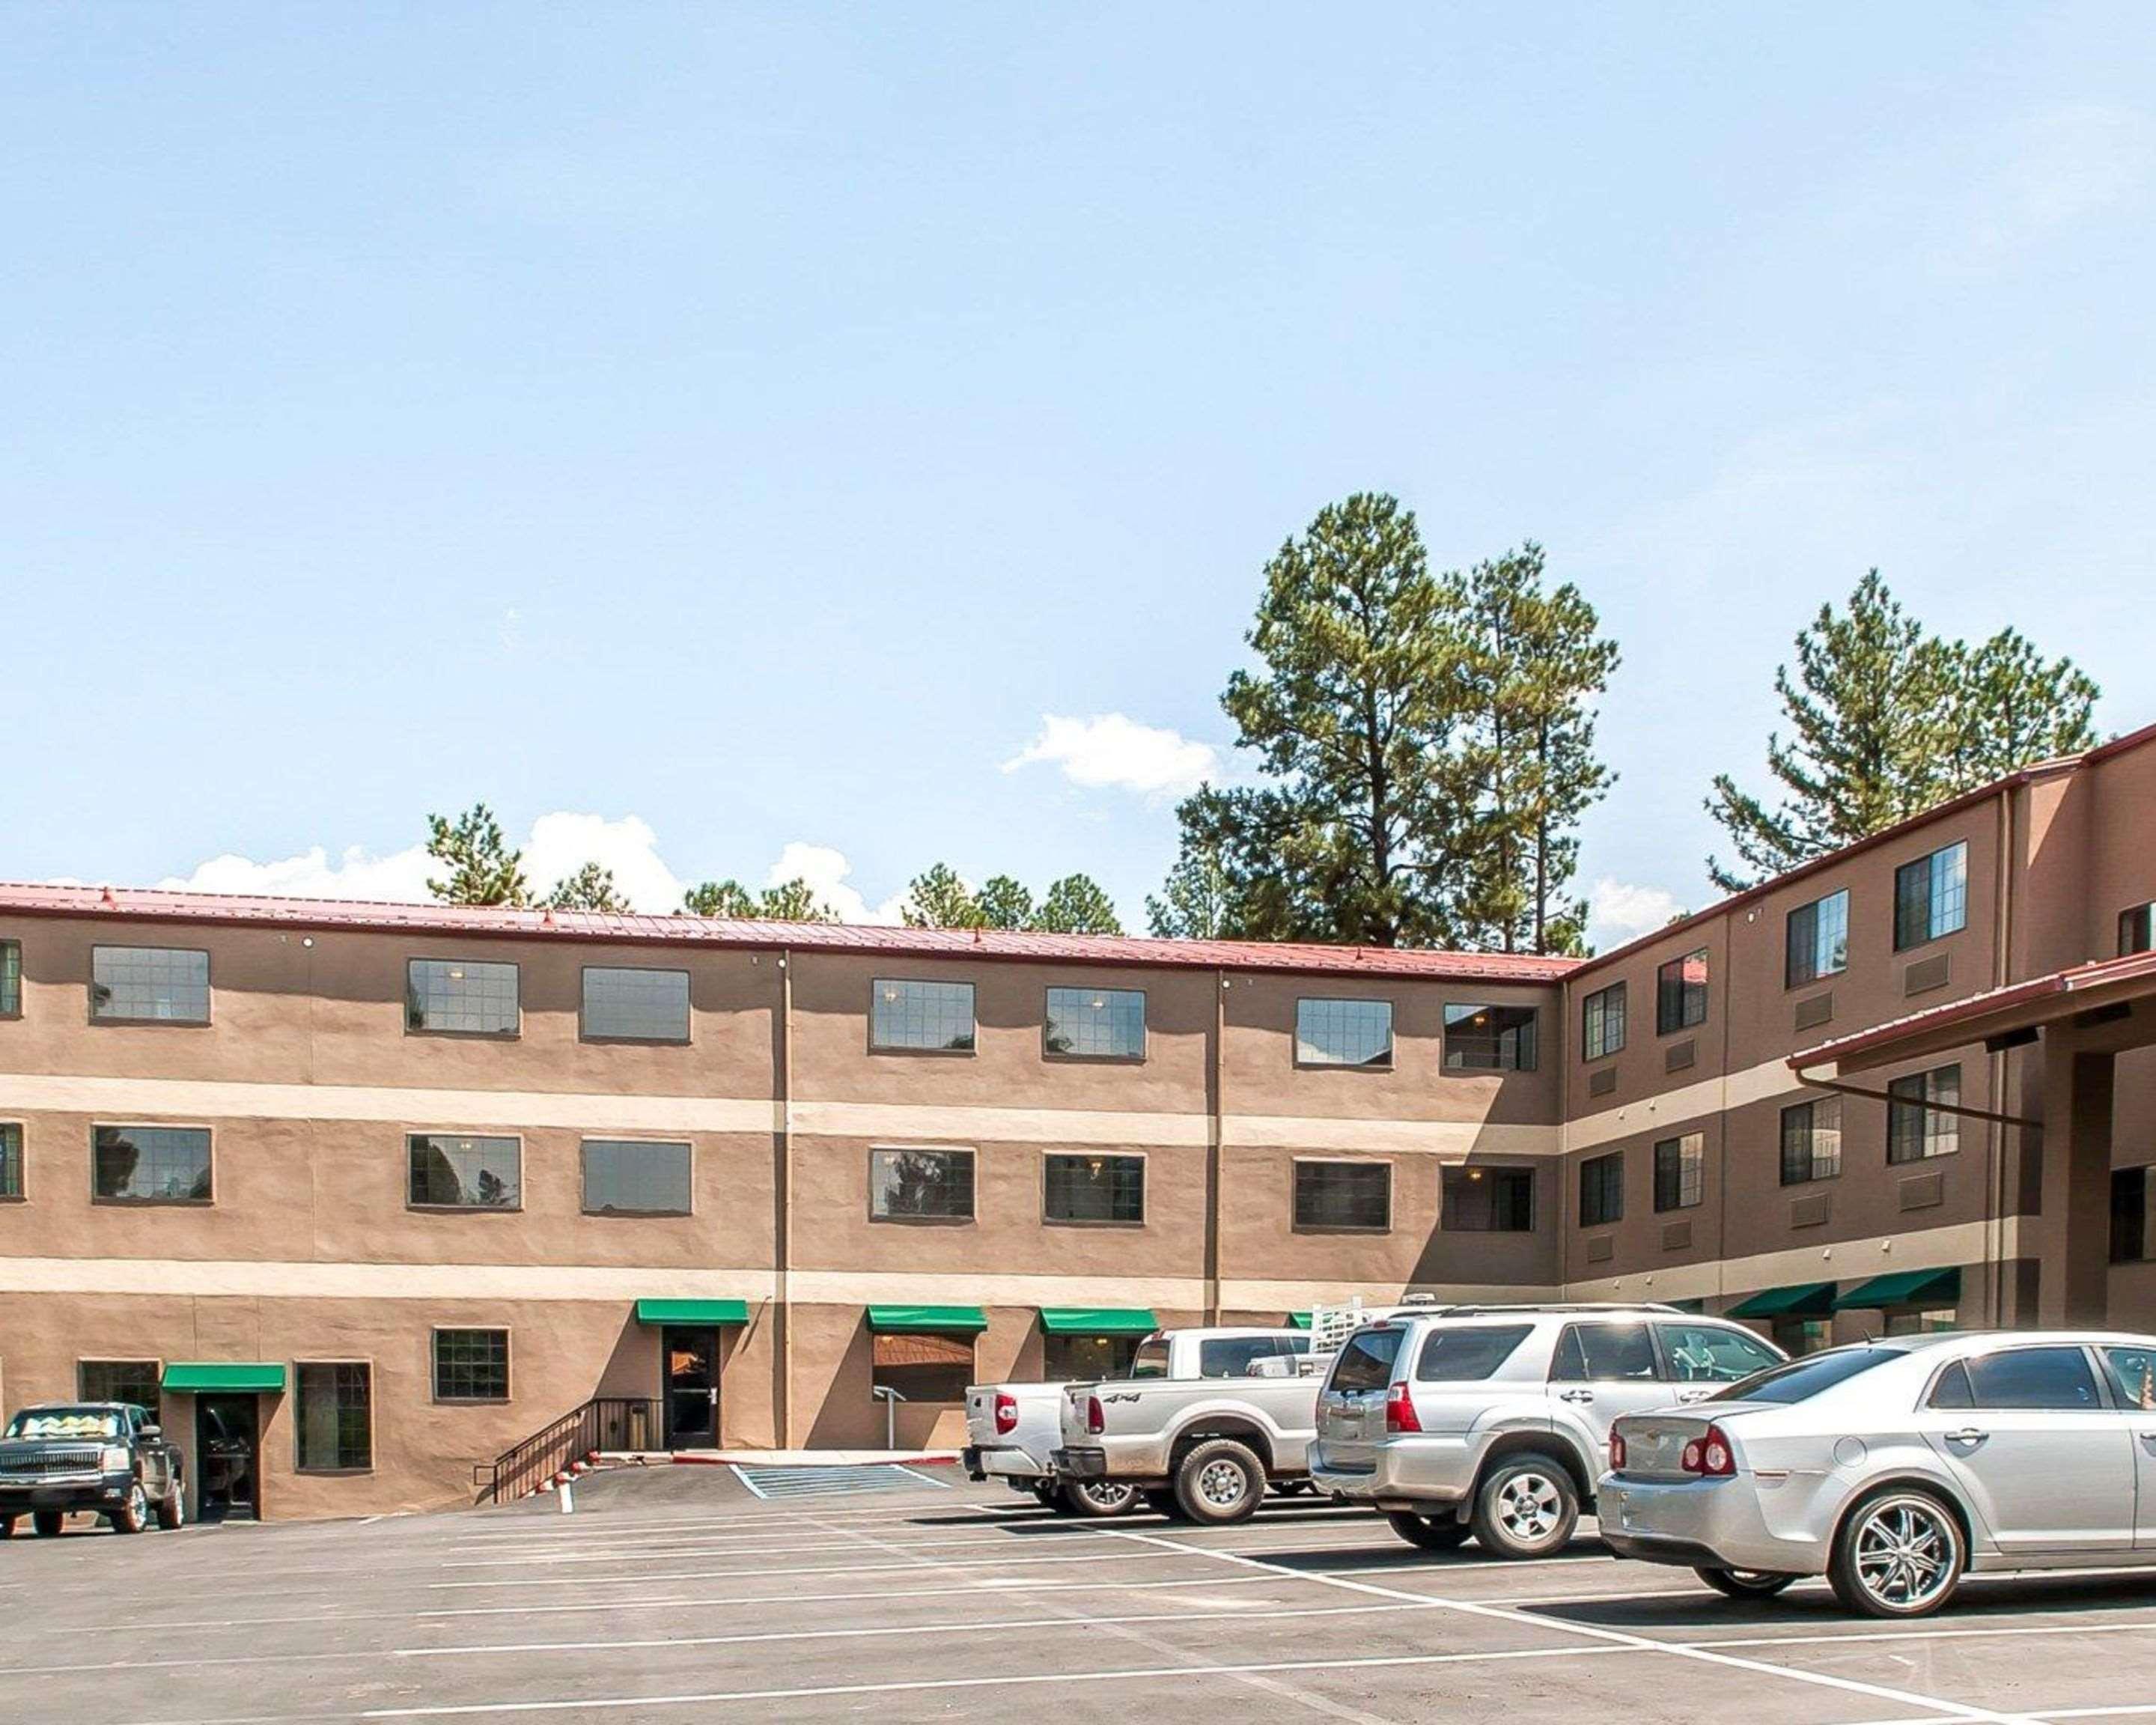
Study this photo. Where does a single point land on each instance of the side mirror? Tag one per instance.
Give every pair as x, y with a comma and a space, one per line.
151, 1434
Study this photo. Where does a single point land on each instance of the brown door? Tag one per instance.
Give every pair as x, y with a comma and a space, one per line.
691, 1359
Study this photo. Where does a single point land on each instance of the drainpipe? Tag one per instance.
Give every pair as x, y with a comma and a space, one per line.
1995, 1137
781, 1304
1215, 1116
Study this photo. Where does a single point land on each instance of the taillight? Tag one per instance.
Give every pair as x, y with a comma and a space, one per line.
1711, 1456
1096, 1422
1399, 1408
1616, 1452
1006, 1414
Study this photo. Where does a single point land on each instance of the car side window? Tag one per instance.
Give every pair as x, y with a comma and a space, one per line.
2055, 1380
1952, 1390
2132, 1377
1233, 1356
1706, 1353
1605, 1353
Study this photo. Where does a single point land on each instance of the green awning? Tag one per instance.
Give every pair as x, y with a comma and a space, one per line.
1098, 1321
692, 1311
1298, 1320
1803, 1299
928, 1320
1904, 1287
232, 1377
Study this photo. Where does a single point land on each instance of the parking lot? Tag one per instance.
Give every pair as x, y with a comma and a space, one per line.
671, 1595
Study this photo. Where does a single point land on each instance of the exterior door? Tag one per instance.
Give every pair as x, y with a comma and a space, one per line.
691, 1361
2133, 1387
227, 1457
1602, 1370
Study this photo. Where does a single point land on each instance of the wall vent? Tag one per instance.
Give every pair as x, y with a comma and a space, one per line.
1925, 975
1815, 1011
1601, 1250
1810, 1210
1602, 1083
1676, 1236
1678, 1055
1921, 1192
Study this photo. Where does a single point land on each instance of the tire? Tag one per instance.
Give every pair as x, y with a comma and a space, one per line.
1219, 1482
1438, 1532
1161, 1501
1097, 1498
1746, 1583
1876, 1568
133, 1515
1051, 1498
47, 1521
1525, 1506
173, 1506
6, 1526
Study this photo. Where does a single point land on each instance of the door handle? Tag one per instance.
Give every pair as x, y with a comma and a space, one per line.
1967, 1434
1576, 1395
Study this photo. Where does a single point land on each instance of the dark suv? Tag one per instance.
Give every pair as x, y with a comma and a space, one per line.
109, 1458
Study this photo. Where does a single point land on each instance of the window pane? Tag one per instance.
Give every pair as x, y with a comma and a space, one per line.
459, 997
1095, 1188
11, 978
636, 1005
466, 1173
1931, 897
629, 1176
1818, 940
1680, 1165
1072, 1358
1680, 993
1602, 1190
2130, 1241
1490, 1039
2132, 1375
1233, 1356
2050, 1378
2136, 931
1605, 1353
121, 1380
933, 1015
924, 1369
1703, 1353
1916, 1126
1366, 1363
1096, 1024
1343, 1033
1469, 1354
1800, 1380
1811, 1141
1602, 1022
1488, 1200
11, 1161
161, 984
1343, 1194
151, 1164
336, 1418
933, 1184
471, 1365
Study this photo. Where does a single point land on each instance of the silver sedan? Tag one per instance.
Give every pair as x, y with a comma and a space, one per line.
1895, 1467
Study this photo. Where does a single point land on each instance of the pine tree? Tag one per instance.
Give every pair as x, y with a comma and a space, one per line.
591, 888
482, 870
939, 899
1076, 905
720, 898
1192, 905
1003, 903
794, 900
2009, 708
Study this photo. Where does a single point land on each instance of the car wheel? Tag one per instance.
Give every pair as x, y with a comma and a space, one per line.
6, 1526
1900, 1554
1100, 1498
1161, 1501
1439, 1533
46, 1521
133, 1516
1527, 1507
173, 1506
1746, 1583
1220, 1480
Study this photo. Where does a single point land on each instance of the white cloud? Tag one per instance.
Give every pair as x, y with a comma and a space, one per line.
826, 871
562, 843
399, 876
1618, 911
1110, 749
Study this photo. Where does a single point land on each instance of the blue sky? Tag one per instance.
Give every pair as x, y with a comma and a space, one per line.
706, 431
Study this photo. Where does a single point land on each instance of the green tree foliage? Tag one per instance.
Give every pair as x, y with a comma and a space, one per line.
1003, 903
720, 898
939, 899
481, 868
1076, 905
1193, 903
2011, 706
794, 900
591, 888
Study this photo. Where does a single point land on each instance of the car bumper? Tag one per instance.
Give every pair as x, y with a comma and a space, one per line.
1707, 1523
984, 1463
1081, 1464
1412, 1473
99, 1491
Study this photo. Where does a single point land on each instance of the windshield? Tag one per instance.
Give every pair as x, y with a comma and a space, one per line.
1151, 1359
1802, 1379
64, 1423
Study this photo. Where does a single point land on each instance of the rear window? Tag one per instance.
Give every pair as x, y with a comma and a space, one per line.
1366, 1363
1233, 1356
1150, 1360
1467, 1356
1802, 1379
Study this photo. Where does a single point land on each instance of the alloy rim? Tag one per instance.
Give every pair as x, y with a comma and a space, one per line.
1528, 1507
1222, 1484
1107, 1496
138, 1504
1904, 1554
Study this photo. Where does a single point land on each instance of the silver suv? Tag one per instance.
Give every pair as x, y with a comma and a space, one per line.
1493, 1421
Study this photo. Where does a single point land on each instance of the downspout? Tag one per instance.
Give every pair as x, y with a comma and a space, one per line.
1215, 1112
1994, 1138
781, 1189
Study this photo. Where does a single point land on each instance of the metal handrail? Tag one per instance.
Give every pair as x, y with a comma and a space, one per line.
606, 1422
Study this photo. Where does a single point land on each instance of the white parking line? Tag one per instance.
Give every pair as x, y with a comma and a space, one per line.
987, 1563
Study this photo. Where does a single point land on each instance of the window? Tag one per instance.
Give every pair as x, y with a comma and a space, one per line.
2130, 1241
471, 1365
1818, 941
635, 1005
1931, 897
1915, 1128
2052, 1378
1602, 1022
1095, 1024
11, 979
921, 1185
458, 1173
936, 1016
1343, 1033
1603, 1354
2132, 1377
1710, 1353
1811, 1141
139, 1381
1094, 1188
1343, 1194
336, 1422
630, 1176
1798, 1337
2137, 933
924, 1369
1679, 1169
1233, 1356
1072, 1359
1366, 1363
1602, 1190
1926, 1320
1802, 1379
1488, 1200
1469, 1354
456, 997
1680, 993
158, 985
150, 1164
1150, 1360
1489, 1039
11, 1160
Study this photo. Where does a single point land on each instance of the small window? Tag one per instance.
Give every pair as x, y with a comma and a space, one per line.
1931, 897
1811, 1141
632, 1177
937, 1017
1233, 1356
1343, 1033
2130, 1241
924, 1369
1797, 1337
1469, 1354
1917, 1127
1605, 1353
1096, 1025
471, 1365
2132, 1377
138, 1381
1074, 1359
11, 979
1344, 1195
1952, 1390
1680, 993
1602, 1190
336, 1421
1151, 1359
1094, 1188
1818, 941
1710, 1353
1489, 1039
2137, 933
921, 1185
11, 1160
150, 1164
1602, 1022
462, 1173
1488, 1200
149, 985
2056, 1380
624, 1005
1679, 1171
458, 997
1366, 1362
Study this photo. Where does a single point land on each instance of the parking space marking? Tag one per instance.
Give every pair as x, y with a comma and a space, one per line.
794, 1569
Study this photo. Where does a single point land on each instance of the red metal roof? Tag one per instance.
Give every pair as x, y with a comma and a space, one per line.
149, 904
